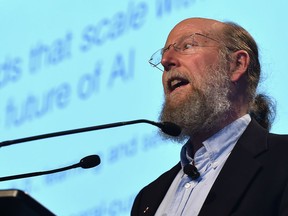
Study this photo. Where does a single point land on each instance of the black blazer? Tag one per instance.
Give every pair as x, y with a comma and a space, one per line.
253, 181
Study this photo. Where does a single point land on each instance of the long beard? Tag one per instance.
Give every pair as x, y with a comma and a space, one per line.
204, 108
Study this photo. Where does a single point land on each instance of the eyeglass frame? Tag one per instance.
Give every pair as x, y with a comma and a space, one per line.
177, 49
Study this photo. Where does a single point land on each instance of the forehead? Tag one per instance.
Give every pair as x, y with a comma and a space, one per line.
189, 26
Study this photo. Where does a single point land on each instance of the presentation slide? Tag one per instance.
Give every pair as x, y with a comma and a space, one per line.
72, 64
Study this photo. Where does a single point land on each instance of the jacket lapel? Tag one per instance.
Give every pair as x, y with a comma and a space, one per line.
155, 192
237, 173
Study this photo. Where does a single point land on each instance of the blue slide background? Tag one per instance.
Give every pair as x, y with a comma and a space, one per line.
71, 64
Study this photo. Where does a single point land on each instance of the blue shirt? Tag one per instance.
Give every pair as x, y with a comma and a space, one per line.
185, 196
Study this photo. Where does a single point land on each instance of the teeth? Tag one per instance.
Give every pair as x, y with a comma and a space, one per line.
175, 83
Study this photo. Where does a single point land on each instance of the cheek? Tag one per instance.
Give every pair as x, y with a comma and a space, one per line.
202, 69
164, 83
163, 78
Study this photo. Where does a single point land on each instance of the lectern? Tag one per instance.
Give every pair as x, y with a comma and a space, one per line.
17, 203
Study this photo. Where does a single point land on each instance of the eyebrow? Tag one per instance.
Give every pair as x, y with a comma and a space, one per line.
203, 34
178, 40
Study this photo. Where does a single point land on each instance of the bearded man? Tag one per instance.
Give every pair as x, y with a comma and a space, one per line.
231, 164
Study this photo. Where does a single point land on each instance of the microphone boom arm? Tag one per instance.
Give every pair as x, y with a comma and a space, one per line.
80, 130
85, 163
26, 175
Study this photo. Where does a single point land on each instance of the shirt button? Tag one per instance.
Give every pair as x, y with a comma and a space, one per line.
187, 185
215, 164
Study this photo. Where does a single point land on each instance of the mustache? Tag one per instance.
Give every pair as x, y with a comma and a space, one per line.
176, 73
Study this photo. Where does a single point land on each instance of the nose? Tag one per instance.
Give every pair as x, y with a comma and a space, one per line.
169, 59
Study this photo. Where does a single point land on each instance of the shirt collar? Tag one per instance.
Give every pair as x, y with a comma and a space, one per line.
220, 144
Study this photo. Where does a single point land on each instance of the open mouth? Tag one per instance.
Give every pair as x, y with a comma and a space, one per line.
176, 82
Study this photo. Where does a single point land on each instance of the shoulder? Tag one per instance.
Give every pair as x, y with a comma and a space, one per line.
279, 138
278, 143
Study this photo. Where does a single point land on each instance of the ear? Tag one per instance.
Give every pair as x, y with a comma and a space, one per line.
239, 64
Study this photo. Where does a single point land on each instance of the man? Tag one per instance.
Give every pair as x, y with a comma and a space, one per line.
234, 166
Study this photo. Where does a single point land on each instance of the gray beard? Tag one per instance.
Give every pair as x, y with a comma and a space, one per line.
204, 108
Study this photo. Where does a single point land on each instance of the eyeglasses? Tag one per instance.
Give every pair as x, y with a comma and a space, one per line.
186, 45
